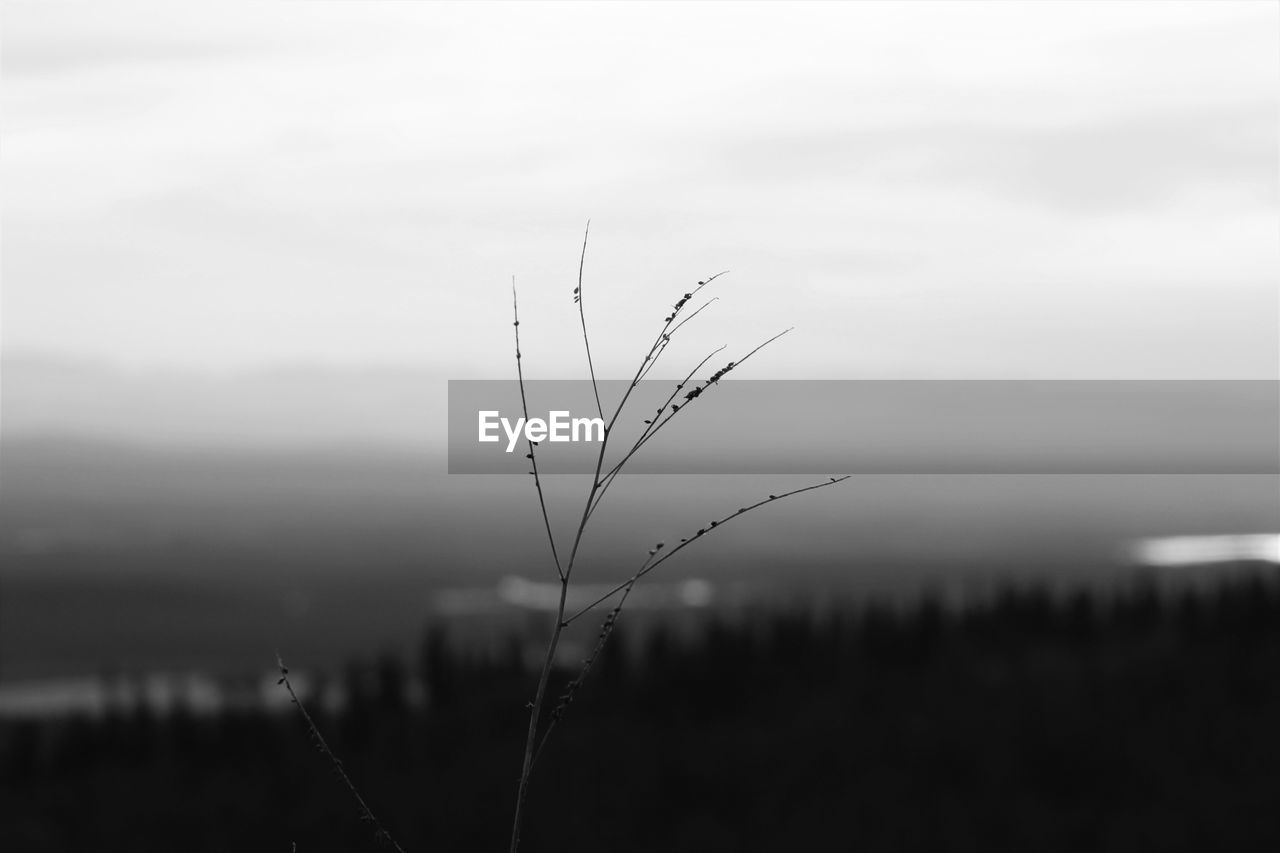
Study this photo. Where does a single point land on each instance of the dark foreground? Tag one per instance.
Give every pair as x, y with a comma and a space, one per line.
1147, 723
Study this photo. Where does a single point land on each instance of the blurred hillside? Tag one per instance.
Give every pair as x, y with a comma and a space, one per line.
120, 558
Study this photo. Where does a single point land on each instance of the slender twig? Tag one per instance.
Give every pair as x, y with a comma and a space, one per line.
571, 689
366, 814
582, 314
650, 563
666, 338
698, 535
668, 330
672, 324
535, 712
658, 421
656, 348
531, 455
671, 409
690, 396
544, 676
653, 423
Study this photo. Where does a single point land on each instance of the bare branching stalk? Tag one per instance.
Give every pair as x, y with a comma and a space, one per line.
366, 814
537, 736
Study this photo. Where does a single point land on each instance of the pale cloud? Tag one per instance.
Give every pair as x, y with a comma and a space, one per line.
1143, 161
924, 189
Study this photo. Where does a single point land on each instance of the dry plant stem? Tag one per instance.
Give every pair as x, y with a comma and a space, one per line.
649, 564
532, 456
606, 630
535, 710
598, 485
608, 478
544, 676
648, 567
540, 692
660, 420
659, 344
365, 813
582, 315
535, 707
666, 338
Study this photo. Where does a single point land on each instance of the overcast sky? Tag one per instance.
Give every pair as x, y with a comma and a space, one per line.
1032, 190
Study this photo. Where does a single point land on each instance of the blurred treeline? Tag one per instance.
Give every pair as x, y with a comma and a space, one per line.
1147, 721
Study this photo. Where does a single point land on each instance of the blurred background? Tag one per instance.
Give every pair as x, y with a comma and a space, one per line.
247, 246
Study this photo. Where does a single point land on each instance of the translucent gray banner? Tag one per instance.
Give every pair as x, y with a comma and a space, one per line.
876, 427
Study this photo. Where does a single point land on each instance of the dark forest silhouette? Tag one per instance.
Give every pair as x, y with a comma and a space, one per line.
1147, 721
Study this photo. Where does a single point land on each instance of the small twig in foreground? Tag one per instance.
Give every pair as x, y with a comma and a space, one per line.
366, 814
586, 342
599, 485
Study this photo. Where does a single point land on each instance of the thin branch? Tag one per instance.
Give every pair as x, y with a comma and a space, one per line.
655, 349
742, 360
652, 425
577, 297
571, 689
659, 420
655, 423
666, 338
535, 714
667, 331
611, 621
544, 676
531, 456
700, 307
366, 814
693, 395
598, 485
689, 540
